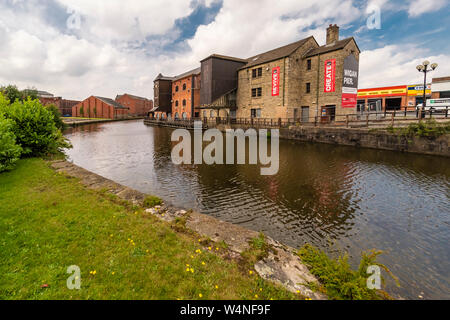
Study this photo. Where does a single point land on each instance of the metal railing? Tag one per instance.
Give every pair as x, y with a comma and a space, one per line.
402, 117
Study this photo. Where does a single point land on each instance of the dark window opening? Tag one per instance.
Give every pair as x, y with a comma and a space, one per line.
308, 87
309, 64
184, 86
256, 92
256, 73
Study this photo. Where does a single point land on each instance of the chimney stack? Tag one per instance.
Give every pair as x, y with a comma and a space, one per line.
332, 34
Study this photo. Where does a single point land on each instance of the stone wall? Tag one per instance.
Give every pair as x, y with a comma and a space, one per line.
370, 139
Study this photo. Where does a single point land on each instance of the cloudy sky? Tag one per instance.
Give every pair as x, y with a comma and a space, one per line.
76, 48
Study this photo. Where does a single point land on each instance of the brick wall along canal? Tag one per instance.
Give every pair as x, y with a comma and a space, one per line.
357, 199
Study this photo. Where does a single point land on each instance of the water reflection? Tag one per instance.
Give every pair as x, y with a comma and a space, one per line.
355, 198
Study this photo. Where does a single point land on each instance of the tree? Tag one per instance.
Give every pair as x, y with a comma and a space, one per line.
12, 93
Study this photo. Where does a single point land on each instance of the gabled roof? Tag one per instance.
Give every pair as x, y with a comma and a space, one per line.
161, 77
111, 102
219, 56
192, 72
275, 54
131, 96
338, 45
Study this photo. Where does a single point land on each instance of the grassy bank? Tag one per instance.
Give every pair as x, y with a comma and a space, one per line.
49, 222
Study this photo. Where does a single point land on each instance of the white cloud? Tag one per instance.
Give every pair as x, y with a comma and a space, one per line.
97, 58
396, 65
419, 7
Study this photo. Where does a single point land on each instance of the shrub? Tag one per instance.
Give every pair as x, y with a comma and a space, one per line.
338, 279
9, 150
34, 128
151, 201
56, 116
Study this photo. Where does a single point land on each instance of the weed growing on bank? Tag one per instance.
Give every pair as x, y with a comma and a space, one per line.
338, 280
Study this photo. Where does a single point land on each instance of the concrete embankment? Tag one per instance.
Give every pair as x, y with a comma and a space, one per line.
73, 122
375, 139
282, 265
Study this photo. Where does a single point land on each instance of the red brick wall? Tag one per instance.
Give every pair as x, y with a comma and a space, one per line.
64, 106
138, 107
186, 95
95, 108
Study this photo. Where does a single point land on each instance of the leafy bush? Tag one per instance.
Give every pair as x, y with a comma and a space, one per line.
9, 150
338, 279
34, 127
57, 116
12, 93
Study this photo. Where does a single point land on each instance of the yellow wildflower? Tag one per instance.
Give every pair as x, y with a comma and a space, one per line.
200, 295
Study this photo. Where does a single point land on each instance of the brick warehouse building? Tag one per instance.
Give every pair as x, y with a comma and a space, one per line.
301, 80
64, 105
138, 106
99, 107
186, 95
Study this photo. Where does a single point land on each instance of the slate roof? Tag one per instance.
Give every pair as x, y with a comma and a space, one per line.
161, 77
111, 102
219, 56
340, 44
132, 96
187, 74
275, 54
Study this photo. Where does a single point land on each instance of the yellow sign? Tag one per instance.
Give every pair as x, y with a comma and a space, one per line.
417, 90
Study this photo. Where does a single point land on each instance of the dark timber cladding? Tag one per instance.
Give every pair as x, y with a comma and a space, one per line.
162, 90
218, 76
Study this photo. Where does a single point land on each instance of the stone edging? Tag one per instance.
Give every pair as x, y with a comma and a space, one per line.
282, 265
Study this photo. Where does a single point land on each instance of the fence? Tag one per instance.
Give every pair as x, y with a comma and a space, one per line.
393, 118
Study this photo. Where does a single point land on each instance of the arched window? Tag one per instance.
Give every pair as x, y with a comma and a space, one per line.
184, 86
176, 116
176, 103
184, 115
157, 116
163, 116
184, 102
212, 114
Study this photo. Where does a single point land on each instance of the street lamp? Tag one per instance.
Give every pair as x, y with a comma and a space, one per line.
424, 68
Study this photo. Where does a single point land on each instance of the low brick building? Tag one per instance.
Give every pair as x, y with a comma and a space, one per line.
440, 88
64, 105
138, 106
100, 107
186, 95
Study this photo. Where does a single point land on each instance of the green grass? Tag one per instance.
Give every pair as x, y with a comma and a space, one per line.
152, 201
49, 221
337, 279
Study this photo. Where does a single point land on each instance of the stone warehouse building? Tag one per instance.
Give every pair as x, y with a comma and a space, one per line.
301, 80
138, 106
100, 107
186, 95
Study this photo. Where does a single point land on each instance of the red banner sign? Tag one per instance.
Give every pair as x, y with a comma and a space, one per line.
275, 81
330, 75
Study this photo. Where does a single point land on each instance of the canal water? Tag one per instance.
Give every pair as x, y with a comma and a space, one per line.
337, 198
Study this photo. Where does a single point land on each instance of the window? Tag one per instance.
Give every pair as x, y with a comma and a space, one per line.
308, 64
184, 115
184, 102
308, 87
204, 114
256, 73
256, 92
212, 114
176, 115
176, 89
255, 113
184, 86
176, 103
